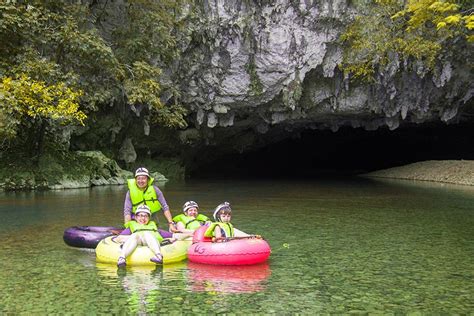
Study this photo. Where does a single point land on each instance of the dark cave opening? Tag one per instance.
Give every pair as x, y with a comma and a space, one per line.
347, 152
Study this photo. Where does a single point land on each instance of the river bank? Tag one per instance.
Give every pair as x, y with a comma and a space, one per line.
447, 171
80, 169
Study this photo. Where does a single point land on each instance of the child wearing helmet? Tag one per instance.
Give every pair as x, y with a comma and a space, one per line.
190, 220
144, 232
223, 228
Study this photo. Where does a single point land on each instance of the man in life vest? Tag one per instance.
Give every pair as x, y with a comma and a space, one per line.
141, 190
190, 220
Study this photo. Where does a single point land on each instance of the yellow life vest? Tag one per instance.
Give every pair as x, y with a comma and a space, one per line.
147, 197
191, 222
228, 229
136, 227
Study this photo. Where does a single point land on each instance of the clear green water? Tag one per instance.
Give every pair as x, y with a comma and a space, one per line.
348, 246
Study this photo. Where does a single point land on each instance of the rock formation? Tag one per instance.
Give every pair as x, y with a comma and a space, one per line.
253, 73
270, 67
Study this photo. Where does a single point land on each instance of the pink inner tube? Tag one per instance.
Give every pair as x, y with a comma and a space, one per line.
233, 252
88, 236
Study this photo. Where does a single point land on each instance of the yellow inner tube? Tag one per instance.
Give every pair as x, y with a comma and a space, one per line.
108, 251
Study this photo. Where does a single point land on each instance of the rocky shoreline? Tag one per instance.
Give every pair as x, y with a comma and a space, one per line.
446, 171
80, 169
101, 170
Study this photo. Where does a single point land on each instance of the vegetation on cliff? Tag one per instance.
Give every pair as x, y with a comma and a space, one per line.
61, 61
58, 64
113, 66
423, 31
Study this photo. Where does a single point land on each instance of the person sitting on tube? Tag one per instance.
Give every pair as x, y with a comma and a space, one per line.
145, 233
223, 228
190, 220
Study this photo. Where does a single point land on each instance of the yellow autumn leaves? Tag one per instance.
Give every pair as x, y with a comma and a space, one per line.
22, 98
443, 14
418, 30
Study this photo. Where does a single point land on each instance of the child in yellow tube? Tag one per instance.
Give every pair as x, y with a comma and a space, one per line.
144, 232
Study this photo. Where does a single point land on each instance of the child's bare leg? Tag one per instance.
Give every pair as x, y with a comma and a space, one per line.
122, 238
129, 246
239, 233
152, 242
184, 230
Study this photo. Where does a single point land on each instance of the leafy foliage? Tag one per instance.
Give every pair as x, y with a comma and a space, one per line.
26, 99
149, 39
418, 29
73, 65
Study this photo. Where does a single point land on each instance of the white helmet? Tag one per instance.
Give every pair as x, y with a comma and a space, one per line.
143, 209
221, 207
188, 205
142, 172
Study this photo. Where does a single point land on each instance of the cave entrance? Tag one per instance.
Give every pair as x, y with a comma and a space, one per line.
315, 154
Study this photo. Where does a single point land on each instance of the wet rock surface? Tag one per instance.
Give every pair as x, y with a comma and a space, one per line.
273, 68
83, 169
447, 171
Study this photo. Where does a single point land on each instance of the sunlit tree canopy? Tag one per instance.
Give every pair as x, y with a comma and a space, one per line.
418, 29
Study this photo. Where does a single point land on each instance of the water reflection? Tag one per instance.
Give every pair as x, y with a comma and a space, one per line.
227, 279
142, 284
425, 185
338, 247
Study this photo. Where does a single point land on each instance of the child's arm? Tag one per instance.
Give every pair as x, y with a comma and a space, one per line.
181, 236
239, 233
182, 229
217, 232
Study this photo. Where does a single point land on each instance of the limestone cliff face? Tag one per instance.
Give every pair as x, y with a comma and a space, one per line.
256, 72
261, 70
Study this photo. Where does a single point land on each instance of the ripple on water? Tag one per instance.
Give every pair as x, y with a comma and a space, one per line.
341, 247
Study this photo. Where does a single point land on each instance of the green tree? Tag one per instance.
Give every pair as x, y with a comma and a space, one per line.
62, 47
421, 30
35, 105
147, 41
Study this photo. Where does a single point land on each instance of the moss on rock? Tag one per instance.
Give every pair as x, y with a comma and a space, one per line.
62, 170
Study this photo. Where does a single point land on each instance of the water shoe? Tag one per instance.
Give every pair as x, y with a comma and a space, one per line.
121, 262
158, 259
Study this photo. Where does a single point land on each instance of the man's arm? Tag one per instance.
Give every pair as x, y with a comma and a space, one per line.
127, 208
166, 210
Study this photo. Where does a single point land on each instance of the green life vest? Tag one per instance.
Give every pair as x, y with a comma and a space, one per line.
136, 227
191, 222
228, 229
147, 197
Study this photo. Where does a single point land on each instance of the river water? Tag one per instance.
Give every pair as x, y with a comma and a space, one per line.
339, 246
